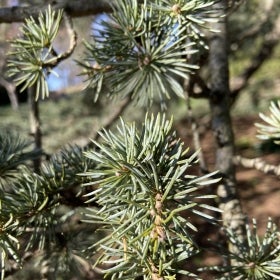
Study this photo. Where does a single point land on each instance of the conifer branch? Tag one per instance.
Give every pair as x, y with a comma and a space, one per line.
258, 164
73, 8
113, 117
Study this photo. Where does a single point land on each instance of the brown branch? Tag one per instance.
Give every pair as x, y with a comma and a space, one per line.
35, 125
258, 164
264, 16
73, 38
229, 202
111, 119
11, 90
195, 82
73, 8
73, 42
196, 138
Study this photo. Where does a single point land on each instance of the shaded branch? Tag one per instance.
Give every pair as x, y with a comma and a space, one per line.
73, 8
271, 40
196, 138
196, 82
35, 125
11, 91
111, 119
219, 102
258, 164
264, 17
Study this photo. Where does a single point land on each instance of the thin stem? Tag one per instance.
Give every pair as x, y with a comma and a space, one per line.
35, 126
258, 164
112, 118
11, 90
196, 138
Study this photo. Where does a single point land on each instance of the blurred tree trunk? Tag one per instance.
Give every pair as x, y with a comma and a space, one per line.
219, 100
6, 33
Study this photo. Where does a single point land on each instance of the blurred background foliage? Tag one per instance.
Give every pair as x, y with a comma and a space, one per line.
263, 86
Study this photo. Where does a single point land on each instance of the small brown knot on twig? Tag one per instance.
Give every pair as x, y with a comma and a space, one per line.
176, 9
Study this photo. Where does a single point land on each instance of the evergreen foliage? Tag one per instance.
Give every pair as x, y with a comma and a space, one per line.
143, 189
142, 50
14, 152
33, 55
133, 190
271, 128
257, 259
31, 203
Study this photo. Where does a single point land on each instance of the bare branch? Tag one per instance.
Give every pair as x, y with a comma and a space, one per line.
73, 38
35, 125
72, 45
196, 137
258, 164
264, 16
271, 40
111, 119
229, 203
192, 85
73, 8
11, 90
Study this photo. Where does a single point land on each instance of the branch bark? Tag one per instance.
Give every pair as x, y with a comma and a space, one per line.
11, 90
73, 8
229, 202
196, 82
35, 126
112, 118
258, 164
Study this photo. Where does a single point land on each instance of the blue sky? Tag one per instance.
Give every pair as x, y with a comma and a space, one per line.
62, 79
